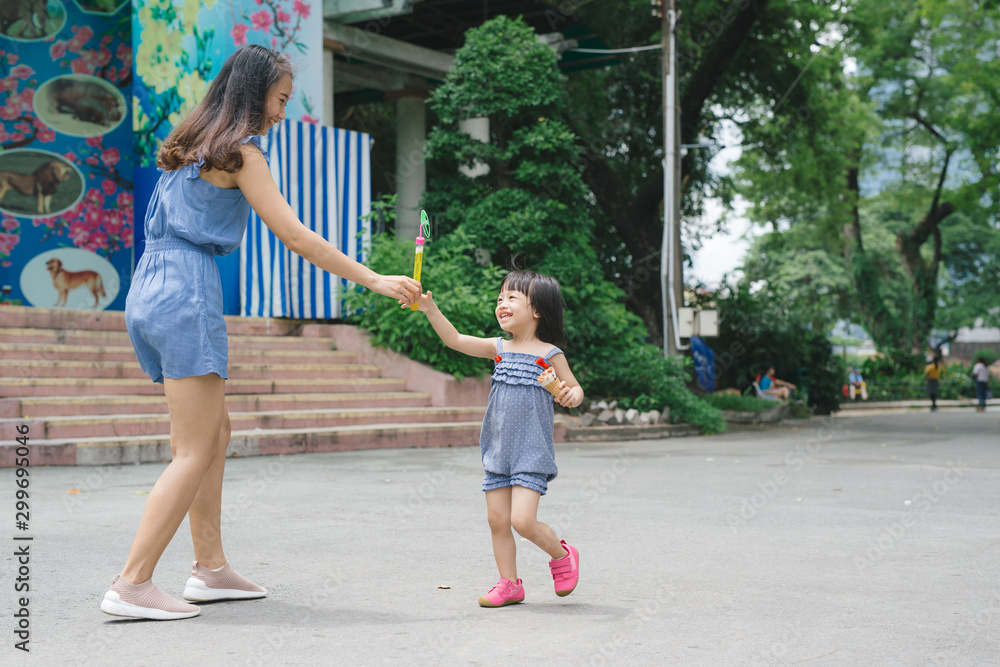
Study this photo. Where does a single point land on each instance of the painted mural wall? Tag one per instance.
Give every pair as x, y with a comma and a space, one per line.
181, 46
88, 91
66, 153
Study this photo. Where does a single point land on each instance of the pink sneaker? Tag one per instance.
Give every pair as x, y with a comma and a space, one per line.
144, 600
225, 584
565, 570
504, 593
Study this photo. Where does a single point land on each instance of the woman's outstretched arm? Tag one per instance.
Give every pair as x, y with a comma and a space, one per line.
255, 180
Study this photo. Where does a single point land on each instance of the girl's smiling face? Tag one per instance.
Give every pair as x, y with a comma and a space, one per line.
514, 311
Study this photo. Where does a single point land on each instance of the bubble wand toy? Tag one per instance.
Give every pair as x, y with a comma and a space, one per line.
418, 257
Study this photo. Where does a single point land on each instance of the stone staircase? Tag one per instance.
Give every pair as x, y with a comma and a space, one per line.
294, 386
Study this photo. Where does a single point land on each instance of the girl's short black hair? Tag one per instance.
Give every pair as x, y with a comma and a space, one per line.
545, 298
765, 367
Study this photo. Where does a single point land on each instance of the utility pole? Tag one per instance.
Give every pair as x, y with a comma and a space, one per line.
671, 276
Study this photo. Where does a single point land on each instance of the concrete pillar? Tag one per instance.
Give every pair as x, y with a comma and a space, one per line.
478, 129
411, 170
327, 87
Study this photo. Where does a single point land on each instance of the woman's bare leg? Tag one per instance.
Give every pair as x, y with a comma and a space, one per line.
205, 515
196, 407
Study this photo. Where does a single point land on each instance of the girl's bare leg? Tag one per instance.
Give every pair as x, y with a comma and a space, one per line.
196, 407
524, 519
205, 515
498, 508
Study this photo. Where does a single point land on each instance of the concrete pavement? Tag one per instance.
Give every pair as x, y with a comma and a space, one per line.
868, 540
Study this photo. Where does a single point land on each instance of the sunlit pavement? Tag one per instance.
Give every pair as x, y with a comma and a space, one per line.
869, 540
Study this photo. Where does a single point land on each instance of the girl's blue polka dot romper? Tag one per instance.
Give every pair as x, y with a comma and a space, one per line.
516, 437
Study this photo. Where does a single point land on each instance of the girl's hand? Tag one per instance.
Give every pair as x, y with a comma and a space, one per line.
404, 289
425, 302
569, 397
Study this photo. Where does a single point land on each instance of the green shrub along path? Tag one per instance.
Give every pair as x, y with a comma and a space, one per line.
530, 209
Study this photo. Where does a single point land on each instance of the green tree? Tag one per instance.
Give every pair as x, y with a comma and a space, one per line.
882, 159
737, 59
530, 206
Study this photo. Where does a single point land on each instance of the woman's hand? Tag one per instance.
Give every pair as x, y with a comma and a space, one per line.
404, 289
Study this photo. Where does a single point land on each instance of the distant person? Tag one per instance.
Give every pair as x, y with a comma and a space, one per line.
933, 373
981, 376
857, 385
771, 387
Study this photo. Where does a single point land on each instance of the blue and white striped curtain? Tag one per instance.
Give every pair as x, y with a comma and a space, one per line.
325, 174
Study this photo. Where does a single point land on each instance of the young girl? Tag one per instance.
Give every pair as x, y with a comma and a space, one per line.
516, 440
213, 172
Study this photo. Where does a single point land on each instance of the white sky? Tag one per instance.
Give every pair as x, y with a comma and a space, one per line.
723, 252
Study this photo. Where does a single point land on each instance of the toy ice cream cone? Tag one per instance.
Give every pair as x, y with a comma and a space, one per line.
548, 378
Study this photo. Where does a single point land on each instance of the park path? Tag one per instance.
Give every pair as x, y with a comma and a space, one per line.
869, 540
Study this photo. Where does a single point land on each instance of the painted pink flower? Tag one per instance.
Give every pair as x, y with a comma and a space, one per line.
239, 34
21, 72
12, 59
262, 20
92, 161
106, 40
108, 186
82, 66
274, 42
46, 136
110, 157
10, 224
70, 156
283, 16
123, 51
22, 127
102, 57
83, 35
306, 118
93, 141
301, 8
125, 199
57, 50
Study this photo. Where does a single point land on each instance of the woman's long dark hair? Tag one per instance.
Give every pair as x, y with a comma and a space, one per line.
234, 108
545, 297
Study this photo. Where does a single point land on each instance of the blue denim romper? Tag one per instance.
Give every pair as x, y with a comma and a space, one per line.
174, 306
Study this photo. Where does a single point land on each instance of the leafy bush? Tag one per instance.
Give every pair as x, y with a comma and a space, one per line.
739, 403
754, 330
531, 204
955, 383
660, 381
463, 289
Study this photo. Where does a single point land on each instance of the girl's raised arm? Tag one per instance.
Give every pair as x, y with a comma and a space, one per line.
258, 187
470, 345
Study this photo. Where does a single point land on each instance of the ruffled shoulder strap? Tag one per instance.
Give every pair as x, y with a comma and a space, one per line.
551, 353
255, 140
192, 170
